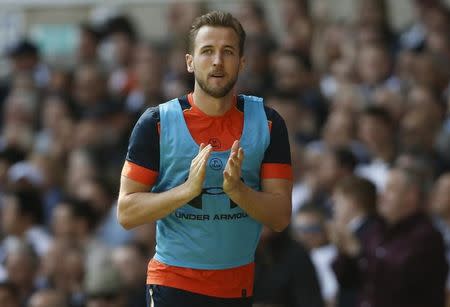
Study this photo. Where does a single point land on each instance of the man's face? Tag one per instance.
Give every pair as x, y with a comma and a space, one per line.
309, 230
10, 214
215, 61
440, 199
395, 201
343, 208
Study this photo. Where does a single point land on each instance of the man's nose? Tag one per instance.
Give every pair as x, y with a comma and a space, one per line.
218, 59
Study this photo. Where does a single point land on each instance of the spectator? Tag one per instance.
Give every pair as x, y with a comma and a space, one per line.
25, 59
400, 261
103, 287
354, 208
22, 264
284, 273
88, 43
123, 36
336, 164
131, 261
22, 221
376, 131
309, 228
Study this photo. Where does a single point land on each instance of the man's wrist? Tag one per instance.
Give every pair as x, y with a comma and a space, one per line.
236, 191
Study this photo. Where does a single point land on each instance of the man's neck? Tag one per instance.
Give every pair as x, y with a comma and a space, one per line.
210, 105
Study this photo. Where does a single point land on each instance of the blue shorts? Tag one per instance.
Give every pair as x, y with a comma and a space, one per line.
161, 296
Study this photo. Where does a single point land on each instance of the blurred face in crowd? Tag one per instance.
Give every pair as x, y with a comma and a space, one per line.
430, 71
52, 266
24, 62
215, 60
54, 113
291, 10
371, 12
418, 130
87, 46
308, 228
11, 218
338, 129
251, 21
89, 85
73, 266
298, 37
47, 298
130, 264
422, 98
344, 208
123, 48
440, 199
21, 268
328, 171
19, 108
147, 67
289, 73
63, 221
374, 133
398, 199
373, 64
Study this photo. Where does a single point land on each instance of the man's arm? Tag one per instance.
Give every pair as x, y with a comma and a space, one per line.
271, 206
137, 206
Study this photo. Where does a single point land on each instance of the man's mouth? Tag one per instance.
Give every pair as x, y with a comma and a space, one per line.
217, 75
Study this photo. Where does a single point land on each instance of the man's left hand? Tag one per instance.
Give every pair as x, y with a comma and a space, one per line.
232, 172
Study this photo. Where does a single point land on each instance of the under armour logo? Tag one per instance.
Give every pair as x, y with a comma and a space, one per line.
197, 202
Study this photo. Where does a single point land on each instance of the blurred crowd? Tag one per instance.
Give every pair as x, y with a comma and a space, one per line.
368, 113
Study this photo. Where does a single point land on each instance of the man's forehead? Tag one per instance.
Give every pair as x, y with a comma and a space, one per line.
207, 35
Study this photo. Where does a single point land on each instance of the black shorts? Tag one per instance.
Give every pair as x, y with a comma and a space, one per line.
161, 296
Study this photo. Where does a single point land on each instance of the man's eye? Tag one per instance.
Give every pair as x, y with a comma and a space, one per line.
207, 51
229, 52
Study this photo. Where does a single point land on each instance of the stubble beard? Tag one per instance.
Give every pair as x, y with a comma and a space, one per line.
216, 92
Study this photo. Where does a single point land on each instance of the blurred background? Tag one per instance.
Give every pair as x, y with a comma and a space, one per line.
363, 85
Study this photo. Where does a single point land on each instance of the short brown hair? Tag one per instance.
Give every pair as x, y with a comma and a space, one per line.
361, 190
217, 19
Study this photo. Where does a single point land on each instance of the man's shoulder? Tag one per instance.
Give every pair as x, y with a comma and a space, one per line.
153, 114
242, 99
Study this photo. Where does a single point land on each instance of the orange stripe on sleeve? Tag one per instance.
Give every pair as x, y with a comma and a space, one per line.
276, 171
138, 173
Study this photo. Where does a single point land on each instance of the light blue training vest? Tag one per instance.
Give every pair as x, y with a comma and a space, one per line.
211, 232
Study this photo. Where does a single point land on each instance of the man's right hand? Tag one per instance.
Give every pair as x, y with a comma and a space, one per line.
197, 171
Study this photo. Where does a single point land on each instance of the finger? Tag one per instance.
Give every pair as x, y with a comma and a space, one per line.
204, 152
201, 155
230, 158
226, 175
240, 154
234, 169
200, 148
235, 146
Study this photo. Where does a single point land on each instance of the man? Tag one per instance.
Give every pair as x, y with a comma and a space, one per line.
400, 262
285, 275
354, 204
208, 200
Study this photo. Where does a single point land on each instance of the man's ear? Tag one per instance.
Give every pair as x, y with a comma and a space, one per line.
189, 63
241, 63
